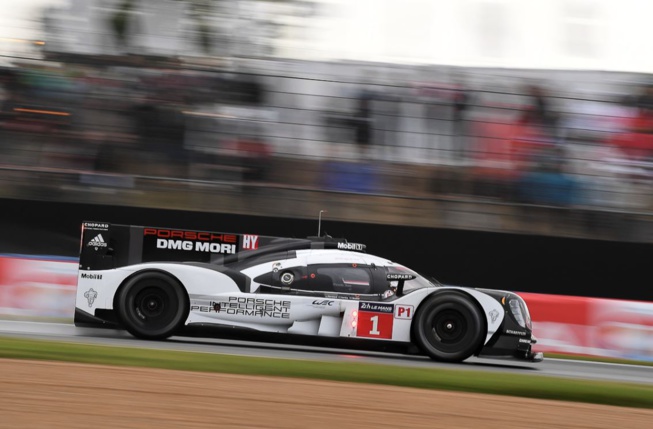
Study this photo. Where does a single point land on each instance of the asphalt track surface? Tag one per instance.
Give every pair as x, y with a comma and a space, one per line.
549, 367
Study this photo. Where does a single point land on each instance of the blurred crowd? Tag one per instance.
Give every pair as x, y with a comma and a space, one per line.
555, 139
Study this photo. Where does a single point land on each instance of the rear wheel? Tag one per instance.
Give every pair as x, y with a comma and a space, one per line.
448, 327
152, 305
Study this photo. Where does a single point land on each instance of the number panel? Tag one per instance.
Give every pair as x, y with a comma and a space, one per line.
374, 325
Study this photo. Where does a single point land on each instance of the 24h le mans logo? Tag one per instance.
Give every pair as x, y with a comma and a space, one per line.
90, 295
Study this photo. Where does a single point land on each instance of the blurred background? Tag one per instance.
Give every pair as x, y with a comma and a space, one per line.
469, 114
525, 127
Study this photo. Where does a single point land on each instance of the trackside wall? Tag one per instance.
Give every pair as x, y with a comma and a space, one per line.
528, 263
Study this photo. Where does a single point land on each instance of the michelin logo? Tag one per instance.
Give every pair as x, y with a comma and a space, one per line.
97, 241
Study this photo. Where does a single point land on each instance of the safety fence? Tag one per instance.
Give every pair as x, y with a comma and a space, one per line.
491, 143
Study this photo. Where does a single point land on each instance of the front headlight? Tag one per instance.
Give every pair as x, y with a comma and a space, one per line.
520, 312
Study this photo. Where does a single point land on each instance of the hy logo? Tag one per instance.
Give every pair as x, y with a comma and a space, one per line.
250, 242
90, 295
97, 241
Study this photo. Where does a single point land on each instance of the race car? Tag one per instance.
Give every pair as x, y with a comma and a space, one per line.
158, 282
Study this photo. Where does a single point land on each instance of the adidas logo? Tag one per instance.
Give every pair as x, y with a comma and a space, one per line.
98, 241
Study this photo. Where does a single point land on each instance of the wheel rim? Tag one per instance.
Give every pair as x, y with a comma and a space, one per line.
449, 327
151, 307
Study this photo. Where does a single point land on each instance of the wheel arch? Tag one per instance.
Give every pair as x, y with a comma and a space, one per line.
130, 277
460, 292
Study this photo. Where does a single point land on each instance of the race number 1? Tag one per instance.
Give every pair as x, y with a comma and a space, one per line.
374, 325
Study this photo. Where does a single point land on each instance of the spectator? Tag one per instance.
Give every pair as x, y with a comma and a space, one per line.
461, 103
363, 121
539, 113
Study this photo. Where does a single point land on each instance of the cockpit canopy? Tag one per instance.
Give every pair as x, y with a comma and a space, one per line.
346, 280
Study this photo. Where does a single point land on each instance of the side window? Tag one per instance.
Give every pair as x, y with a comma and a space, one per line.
342, 279
294, 277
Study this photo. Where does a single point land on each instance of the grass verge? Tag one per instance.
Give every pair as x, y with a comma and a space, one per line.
532, 386
587, 358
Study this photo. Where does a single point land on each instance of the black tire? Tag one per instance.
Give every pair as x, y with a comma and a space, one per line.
448, 327
152, 305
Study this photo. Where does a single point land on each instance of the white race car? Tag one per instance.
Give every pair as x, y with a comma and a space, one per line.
158, 282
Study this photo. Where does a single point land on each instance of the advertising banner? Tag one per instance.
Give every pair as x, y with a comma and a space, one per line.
591, 326
623, 328
36, 288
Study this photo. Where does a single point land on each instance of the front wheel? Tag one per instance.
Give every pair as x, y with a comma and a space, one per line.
152, 305
448, 327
